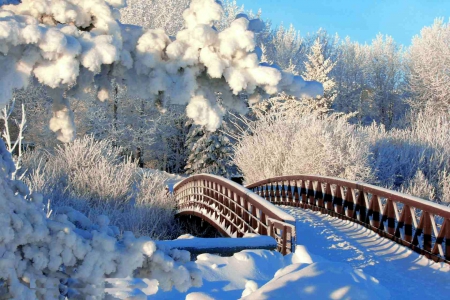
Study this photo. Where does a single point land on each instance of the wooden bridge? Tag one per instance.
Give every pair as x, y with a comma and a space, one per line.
234, 210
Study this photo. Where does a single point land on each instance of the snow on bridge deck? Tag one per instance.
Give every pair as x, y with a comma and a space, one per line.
337, 250
402, 271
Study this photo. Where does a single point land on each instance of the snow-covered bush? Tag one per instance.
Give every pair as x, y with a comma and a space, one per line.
414, 159
68, 254
94, 178
280, 143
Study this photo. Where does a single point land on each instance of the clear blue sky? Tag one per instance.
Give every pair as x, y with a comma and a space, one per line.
362, 20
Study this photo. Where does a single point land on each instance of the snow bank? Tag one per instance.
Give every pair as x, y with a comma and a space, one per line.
262, 274
69, 254
321, 280
219, 245
80, 47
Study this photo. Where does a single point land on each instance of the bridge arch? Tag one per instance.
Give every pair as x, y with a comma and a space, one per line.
234, 210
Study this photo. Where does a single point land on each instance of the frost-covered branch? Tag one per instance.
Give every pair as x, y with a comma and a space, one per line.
79, 47
13, 146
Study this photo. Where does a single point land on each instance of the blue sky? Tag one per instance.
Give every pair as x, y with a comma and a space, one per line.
362, 20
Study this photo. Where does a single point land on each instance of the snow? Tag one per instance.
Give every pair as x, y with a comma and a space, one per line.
190, 243
397, 268
42, 258
333, 259
322, 280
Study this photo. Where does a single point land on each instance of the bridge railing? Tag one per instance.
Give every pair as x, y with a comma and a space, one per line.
413, 222
234, 210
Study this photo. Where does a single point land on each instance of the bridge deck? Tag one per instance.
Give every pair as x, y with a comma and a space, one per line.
405, 273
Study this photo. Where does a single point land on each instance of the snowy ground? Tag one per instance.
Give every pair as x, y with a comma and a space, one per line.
403, 272
334, 259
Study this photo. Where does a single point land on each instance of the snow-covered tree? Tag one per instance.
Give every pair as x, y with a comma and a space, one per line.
318, 68
230, 10
285, 47
153, 14
350, 76
385, 76
209, 152
429, 58
370, 80
84, 51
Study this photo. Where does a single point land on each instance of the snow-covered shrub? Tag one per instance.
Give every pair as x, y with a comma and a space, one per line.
280, 143
94, 178
152, 213
415, 158
68, 254
87, 169
419, 187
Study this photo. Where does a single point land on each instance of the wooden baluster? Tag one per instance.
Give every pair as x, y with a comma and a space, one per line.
374, 211
296, 194
246, 216
237, 210
271, 232
447, 239
337, 201
283, 193
409, 222
328, 197
222, 201
427, 231
389, 214
216, 197
271, 193
277, 199
304, 194
207, 196
361, 207
349, 203
262, 229
266, 192
290, 194
254, 221
419, 230
319, 197
438, 249
310, 193
284, 241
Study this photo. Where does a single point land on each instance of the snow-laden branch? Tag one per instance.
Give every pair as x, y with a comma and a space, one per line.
79, 47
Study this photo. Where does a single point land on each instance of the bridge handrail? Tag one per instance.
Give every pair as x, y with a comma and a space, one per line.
432, 207
233, 209
408, 218
261, 202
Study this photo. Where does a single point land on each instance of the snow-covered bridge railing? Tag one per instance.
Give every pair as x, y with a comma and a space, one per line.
234, 210
410, 221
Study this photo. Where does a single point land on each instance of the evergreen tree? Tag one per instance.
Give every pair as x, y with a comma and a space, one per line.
318, 68
209, 152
